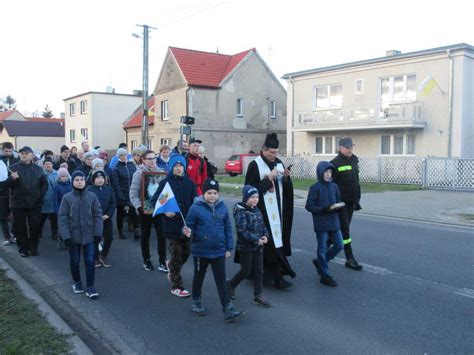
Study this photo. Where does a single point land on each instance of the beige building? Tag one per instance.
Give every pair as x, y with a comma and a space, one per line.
97, 117
39, 134
235, 100
414, 104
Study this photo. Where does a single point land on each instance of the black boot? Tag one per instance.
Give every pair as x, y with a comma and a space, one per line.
230, 314
352, 263
328, 281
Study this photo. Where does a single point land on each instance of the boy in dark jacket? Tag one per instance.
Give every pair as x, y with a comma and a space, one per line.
179, 246
208, 222
105, 194
321, 201
251, 236
80, 225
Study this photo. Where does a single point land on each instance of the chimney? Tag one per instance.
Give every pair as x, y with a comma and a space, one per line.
392, 52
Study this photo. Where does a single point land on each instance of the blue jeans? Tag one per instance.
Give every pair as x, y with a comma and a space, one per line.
325, 254
89, 259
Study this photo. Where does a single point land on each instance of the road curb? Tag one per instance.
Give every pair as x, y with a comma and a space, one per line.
78, 345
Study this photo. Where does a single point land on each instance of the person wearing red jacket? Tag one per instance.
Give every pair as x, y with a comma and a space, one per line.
196, 166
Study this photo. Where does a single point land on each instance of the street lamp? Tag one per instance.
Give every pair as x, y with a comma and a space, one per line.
146, 29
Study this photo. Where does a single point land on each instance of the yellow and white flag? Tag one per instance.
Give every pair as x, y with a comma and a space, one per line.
427, 86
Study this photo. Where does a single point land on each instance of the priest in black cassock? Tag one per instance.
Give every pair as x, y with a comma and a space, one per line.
268, 174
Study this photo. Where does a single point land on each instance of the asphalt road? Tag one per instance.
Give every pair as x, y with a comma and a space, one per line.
415, 295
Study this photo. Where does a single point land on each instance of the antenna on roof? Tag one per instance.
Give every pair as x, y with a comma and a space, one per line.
217, 50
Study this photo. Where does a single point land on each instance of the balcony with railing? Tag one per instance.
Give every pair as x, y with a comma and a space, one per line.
386, 115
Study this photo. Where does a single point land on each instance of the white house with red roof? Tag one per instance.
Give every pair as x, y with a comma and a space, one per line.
235, 100
133, 126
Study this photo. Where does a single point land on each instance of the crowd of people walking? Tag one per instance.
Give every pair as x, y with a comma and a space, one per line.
81, 192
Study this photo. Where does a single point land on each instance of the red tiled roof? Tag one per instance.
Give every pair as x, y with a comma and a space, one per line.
42, 119
135, 119
205, 68
5, 115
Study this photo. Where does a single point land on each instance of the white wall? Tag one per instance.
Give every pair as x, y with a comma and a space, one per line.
38, 144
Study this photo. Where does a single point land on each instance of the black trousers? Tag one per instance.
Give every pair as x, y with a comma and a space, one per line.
107, 237
345, 218
146, 223
4, 213
251, 265
53, 220
218, 269
121, 214
27, 226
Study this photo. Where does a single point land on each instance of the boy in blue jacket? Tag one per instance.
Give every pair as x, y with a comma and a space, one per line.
106, 197
321, 201
208, 224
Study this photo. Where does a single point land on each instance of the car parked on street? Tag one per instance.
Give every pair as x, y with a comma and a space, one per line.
234, 165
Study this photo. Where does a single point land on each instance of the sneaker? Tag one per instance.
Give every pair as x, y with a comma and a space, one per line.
7, 242
352, 263
104, 262
316, 265
97, 263
198, 309
261, 301
231, 291
77, 287
179, 292
163, 267
230, 314
148, 266
92, 293
24, 254
12, 240
328, 281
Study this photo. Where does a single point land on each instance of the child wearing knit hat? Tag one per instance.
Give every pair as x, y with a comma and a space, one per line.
63, 186
252, 235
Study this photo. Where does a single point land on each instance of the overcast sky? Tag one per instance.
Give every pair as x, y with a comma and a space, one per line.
51, 50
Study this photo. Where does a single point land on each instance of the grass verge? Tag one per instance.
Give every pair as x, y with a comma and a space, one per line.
24, 330
304, 184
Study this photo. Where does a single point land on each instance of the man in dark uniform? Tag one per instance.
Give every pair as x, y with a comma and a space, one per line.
347, 179
268, 174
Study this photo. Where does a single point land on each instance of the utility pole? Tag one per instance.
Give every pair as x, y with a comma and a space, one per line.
146, 29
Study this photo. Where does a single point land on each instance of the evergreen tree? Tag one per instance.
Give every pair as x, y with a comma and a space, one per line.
47, 113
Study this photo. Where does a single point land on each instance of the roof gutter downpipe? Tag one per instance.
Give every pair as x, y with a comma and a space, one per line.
451, 85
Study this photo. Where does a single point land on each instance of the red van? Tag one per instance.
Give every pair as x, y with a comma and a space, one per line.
234, 165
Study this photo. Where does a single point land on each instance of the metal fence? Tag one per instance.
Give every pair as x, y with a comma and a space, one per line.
443, 173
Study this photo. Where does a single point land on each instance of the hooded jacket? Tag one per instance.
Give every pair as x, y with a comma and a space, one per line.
80, 217
250, 228
211, 230
60, 189
121, 181
321, 195
184, 192
106, 198
48, 199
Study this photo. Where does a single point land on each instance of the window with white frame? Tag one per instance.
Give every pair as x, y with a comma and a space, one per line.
328, 96
240, 107
84, 107
273, 109
134, 144
326, 145
397, 144
398, 88
165, 141
359, 86
72, 109
150, 143
84, 133
72, 135
164, 110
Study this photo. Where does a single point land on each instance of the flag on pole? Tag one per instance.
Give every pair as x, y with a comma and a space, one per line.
427, 86
166, 202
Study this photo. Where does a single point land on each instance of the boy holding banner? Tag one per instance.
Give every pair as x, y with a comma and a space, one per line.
174, 197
